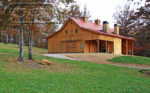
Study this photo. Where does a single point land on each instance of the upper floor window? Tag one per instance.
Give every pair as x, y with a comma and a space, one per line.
66, 32
76, 31
60, 46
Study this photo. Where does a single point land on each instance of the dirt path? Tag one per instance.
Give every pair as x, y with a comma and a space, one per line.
102, 58
59, 56
92, 57
133, 66
95, 58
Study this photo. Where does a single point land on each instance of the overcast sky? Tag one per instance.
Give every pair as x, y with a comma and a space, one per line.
101, 9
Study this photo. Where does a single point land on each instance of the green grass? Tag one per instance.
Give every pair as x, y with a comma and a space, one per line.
66, 76
131, 60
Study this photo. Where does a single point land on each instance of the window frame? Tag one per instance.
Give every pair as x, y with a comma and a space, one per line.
76, 31
60, 46
66, 32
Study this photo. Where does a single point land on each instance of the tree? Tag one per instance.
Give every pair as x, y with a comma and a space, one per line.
135, 22
5, 19
123, 17
49, 13
143, 16
20, 13
143, 20
32, 15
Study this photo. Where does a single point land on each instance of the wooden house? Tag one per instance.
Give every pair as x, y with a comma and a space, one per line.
81, 36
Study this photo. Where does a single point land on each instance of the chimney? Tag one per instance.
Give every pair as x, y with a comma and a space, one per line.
116, 29
98, 22
84, 18
106, 26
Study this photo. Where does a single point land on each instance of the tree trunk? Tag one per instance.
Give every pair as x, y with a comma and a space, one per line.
30, 46
3, 37
9, 39
21, 40
15, 38
30, 43
6, 37
0, 37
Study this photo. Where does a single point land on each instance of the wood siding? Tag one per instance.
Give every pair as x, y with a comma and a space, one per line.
70, 42
90, 46
117, 46
82, 41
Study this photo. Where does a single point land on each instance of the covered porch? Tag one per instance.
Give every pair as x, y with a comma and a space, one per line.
127, 47
98, 46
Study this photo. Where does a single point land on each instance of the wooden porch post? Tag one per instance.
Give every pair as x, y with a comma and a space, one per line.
132, 48
127, 53
106, 47
98, 46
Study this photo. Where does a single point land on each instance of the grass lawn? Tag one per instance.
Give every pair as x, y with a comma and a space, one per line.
131, 60
65, 76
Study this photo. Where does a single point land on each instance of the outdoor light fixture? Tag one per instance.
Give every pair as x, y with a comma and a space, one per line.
1, 4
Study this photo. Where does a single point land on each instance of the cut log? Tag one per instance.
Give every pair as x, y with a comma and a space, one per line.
46, 62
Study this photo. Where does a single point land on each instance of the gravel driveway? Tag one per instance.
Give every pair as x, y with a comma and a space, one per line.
96, 58
59, 56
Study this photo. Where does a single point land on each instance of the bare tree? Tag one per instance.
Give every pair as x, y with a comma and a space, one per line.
135, 21
123, 17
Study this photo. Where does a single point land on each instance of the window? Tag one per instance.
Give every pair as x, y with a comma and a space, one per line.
60, 46
66, 32
81, 45
76, 31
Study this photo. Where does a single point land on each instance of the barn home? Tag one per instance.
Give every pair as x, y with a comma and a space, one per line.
81, 36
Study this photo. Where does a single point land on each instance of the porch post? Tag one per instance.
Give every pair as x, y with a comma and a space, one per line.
132, 48
98, 46
127, 53
106, 47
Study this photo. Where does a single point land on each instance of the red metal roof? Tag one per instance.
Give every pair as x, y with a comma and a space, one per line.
94, 28
98, 29
87, 25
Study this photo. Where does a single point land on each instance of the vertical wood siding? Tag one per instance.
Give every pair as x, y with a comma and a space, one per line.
79, 42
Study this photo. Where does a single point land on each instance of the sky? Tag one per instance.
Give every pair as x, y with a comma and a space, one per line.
101, 9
